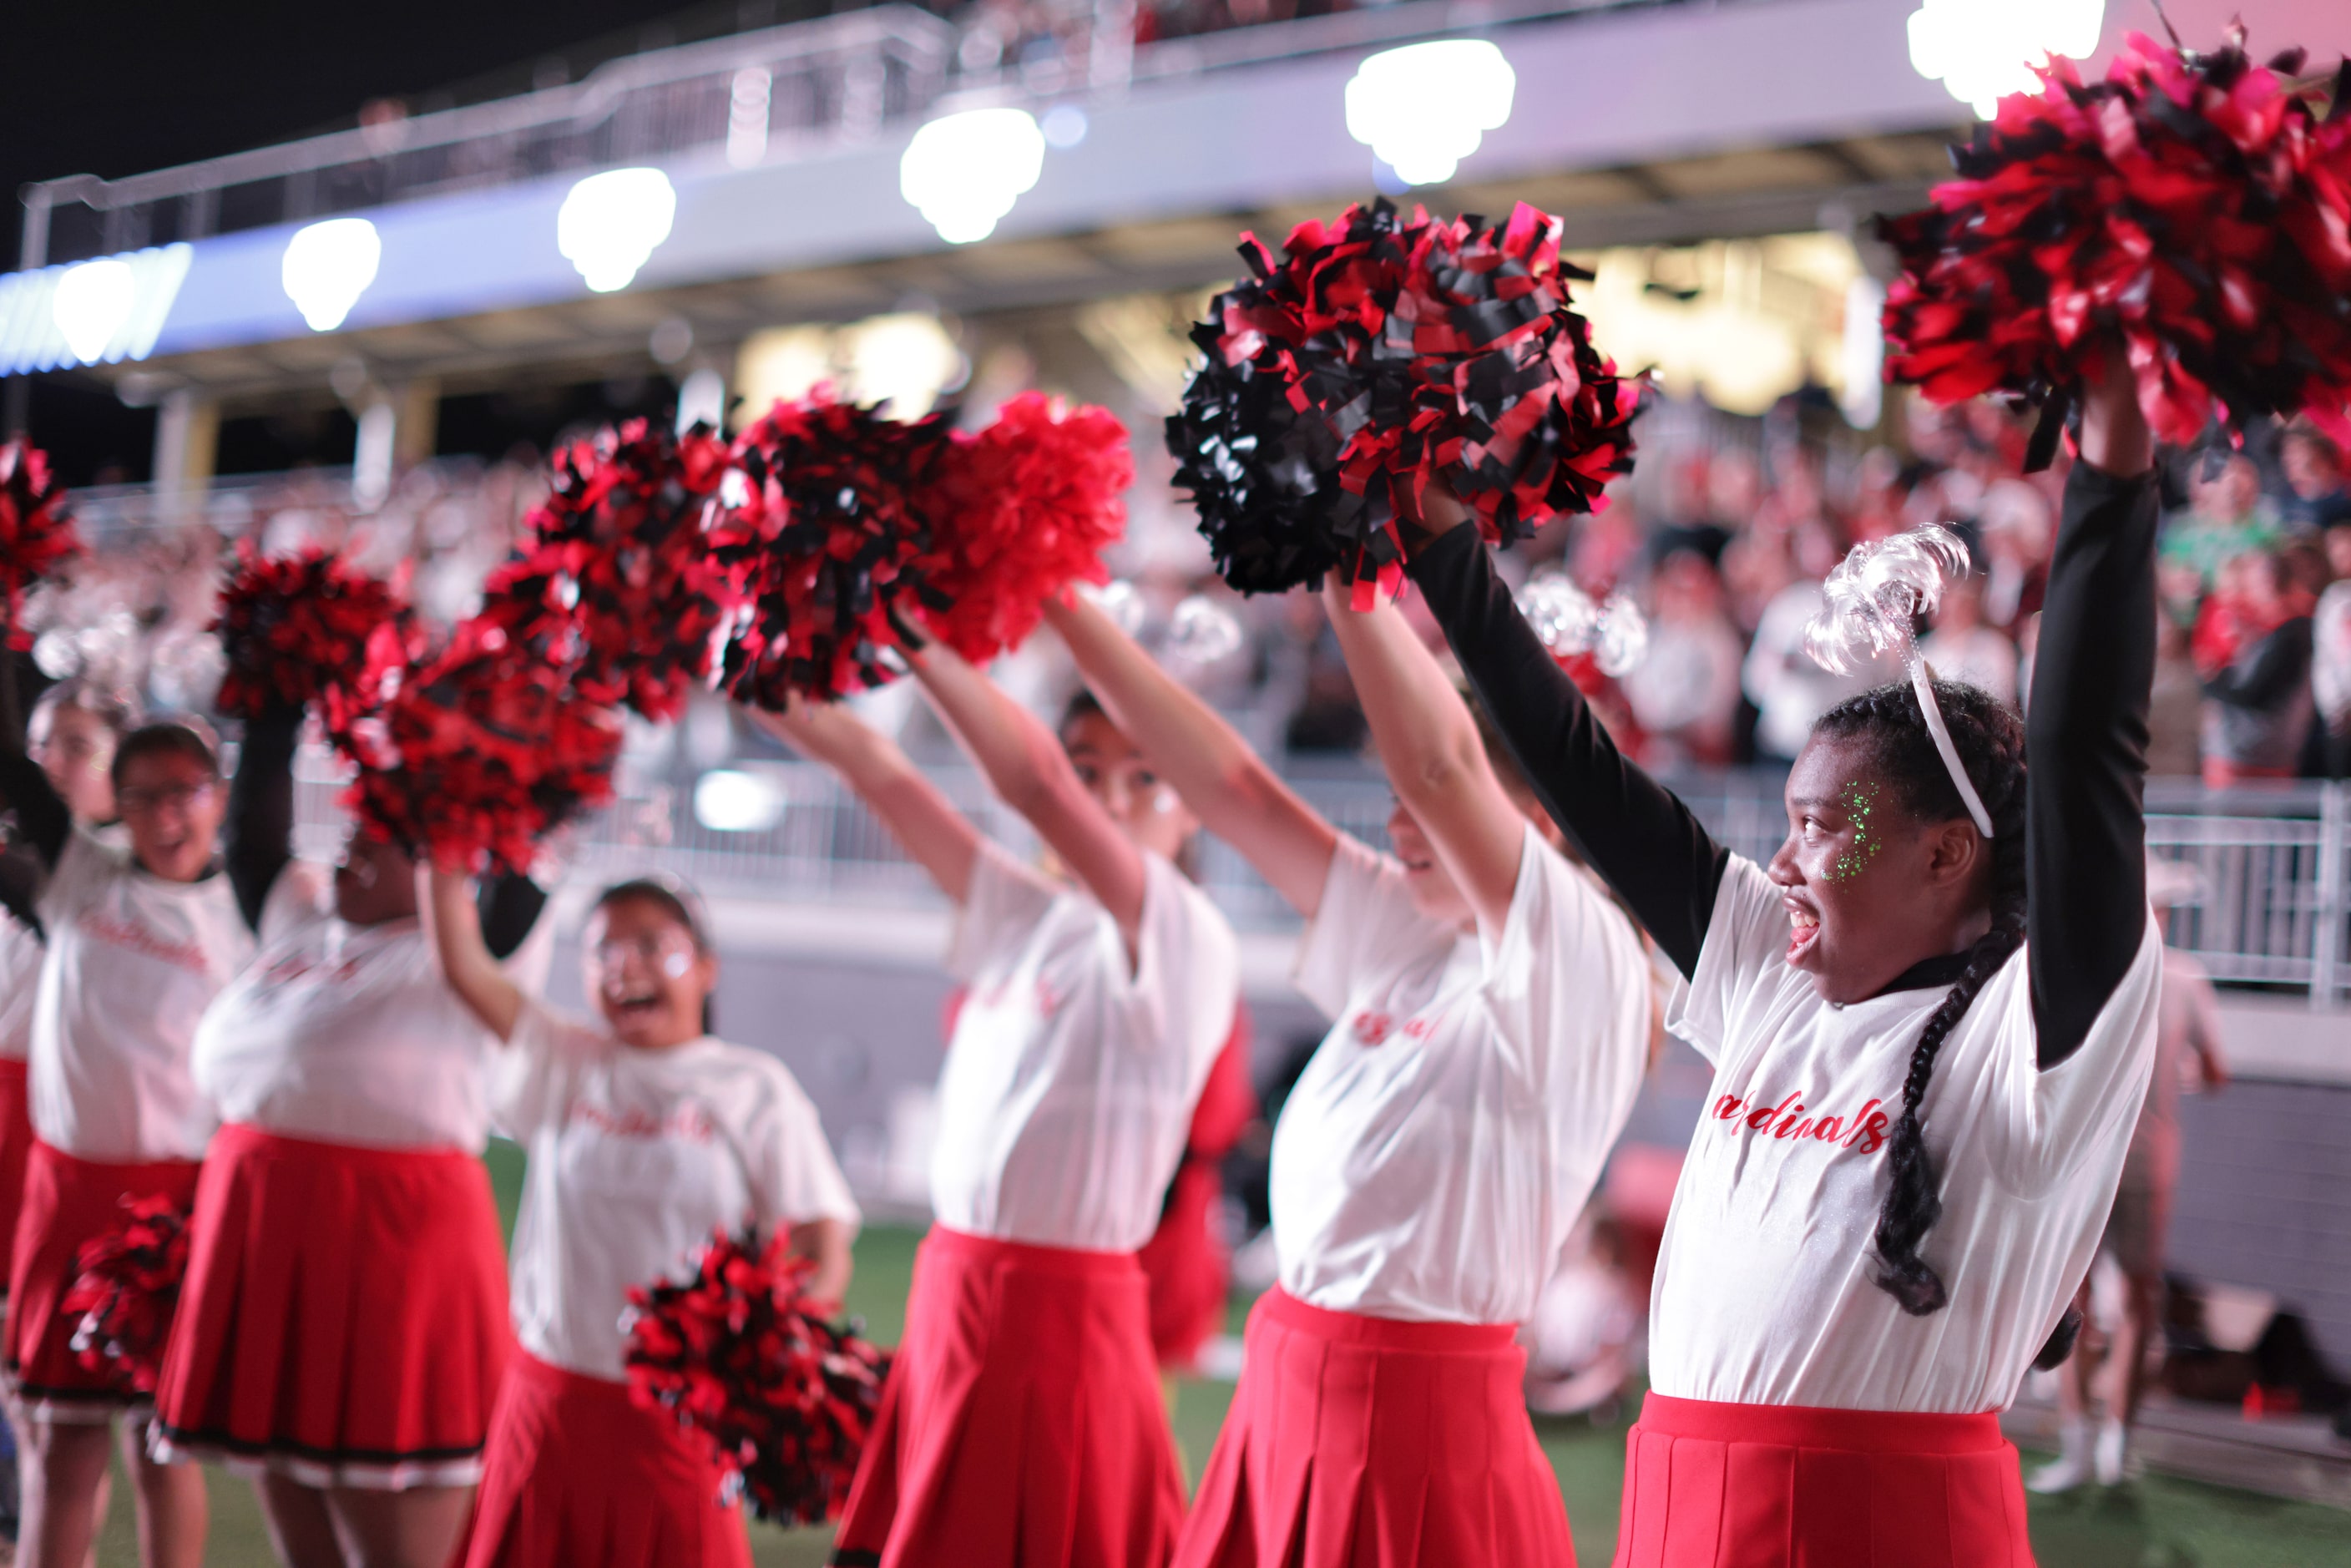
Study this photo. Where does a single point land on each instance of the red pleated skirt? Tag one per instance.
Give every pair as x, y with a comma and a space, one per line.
1022, 1424
1189, 1267
1775, 1486
579, 1475
344, 1321
15, 1147
1358, 1442
69, 1201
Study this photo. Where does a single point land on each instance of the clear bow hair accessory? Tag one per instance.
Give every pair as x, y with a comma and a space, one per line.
1871, 606
1570, 622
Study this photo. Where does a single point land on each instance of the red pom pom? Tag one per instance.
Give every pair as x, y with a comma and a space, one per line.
1429, 351
2197, 208
126, 1285
37, 530
483, 751
305, 628
1022, 510
620, 550
783, 1395
830, 545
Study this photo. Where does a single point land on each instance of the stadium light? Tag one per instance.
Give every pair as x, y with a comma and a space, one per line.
731, 800
1424, 107
92, 303
327, 266
1982, 50
610, 223
964, 171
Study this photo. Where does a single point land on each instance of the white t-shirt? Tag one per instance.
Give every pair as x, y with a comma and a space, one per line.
636, 1156
21, 955
133, 961
1436, 1153
346, 1034
1070, 1081
1763, 1292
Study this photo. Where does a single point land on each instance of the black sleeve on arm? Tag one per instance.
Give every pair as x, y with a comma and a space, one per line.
509, 906
2086, 757
1631, 828
261, 808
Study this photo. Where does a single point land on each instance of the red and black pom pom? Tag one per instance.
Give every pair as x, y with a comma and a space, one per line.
37, 530
831, 547
1020, 512
620, 550
2194, 208
126, 1286
309, 628
1407, 351
783, 1392
483, 751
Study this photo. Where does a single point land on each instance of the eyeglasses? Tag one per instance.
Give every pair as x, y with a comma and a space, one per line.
177, 797
673, 953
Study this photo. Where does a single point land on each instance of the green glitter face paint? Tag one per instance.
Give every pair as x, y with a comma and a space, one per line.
1860, 803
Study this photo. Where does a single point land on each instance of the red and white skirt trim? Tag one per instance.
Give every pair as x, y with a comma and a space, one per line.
1711, 1485
67, 1202
1022, 1425
15, 1149
580, 1474
1361, 1442
344, 1319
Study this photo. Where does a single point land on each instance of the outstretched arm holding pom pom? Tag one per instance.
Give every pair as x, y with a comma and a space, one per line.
925, 823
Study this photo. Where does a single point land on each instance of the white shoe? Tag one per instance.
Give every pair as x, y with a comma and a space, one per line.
2113, 1450
2071, 1467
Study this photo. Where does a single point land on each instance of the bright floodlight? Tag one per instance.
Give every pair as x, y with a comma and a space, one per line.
964, 172
728, 801
611, 223
92, 303
1982, 50
1422, 108
327, 266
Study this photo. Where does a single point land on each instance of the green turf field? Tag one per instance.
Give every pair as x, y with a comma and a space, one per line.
2153, 1523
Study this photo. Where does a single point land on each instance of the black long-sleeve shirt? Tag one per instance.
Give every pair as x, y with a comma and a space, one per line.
2085, 748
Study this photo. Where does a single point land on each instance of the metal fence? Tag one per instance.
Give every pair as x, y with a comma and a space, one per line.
2268, 865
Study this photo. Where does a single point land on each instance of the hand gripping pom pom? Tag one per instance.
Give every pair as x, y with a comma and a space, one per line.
783, 1395
309, 628
482, 752
2193, 207
126, 1286
37, 531
620, 550
1020, 512
832, 553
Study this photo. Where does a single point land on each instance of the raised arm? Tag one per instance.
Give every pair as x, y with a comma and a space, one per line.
43, 818
1228, 787
1632, 829
940, 839
465, 961
261, 808
1030, 772
2085, 729
1434, 762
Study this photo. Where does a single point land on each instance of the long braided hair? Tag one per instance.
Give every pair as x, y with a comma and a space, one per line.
1989, 739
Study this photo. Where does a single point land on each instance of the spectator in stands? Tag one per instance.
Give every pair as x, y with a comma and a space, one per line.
1962, 648
1684, 693
2258, 705
1788, 689
2316, 499
2175, 719
2187, 1057
2227, 519
2330, 657
2013, 525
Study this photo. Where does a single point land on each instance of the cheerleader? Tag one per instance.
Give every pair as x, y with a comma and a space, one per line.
1931, 1019
1492, 1025
645, 1136
1021, 1424
140, 935
343, 1328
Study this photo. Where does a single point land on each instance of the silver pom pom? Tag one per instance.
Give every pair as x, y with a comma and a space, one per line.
1621, 639
1203, 631
1872, 602
1561, 614
1122, 601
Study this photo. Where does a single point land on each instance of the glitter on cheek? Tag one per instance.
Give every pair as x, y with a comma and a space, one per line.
1860, 803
